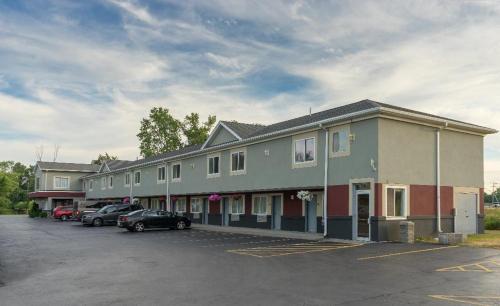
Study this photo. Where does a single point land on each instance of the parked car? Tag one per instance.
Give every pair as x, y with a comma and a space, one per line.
63, 212
108, 215
82, 208
138, 221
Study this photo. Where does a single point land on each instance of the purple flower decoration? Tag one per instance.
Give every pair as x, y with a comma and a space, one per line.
214, 197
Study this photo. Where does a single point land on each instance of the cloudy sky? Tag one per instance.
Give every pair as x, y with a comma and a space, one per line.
81, 74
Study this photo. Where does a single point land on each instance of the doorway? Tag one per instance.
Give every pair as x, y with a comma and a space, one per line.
225, 211
276, 212
311, 215
466, 213
204, 217
361, 215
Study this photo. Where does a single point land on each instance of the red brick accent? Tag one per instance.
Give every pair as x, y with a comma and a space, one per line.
481, 201
214, 207
423, 200
291, 208
338, 200
188, 204
378, 199
248, 204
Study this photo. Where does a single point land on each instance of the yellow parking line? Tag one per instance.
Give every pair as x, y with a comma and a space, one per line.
273, 252
473, 267
466, 299
408, 252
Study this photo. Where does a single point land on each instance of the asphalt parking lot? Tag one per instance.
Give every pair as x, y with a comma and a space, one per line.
46, 262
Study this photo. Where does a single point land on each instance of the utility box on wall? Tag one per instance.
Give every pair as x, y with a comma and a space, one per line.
407, 232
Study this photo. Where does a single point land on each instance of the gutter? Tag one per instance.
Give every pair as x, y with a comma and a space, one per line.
438, 176
325, 187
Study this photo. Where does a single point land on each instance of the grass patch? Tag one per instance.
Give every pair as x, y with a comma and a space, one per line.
492, 218
490, 239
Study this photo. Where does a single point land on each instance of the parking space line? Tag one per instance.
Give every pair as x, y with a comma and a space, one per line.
488, 266
290, 249
408, 252
469, 299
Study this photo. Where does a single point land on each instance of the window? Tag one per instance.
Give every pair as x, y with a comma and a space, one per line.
259, 205
137, 178
238, 162
196, 205
103, 183
61, 182
127, 179
340, 141
213, 166
110, 182
161, 174
84, 185
91, 185
155, 204
305, 150
396, 202
176, 172
237, 206
180, 206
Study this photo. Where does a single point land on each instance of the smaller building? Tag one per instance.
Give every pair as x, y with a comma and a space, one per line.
59, 184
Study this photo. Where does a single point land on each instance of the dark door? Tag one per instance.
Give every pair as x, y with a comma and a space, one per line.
363, 213
276, 212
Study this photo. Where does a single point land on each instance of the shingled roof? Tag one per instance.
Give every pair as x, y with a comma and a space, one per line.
244, 130
56, 166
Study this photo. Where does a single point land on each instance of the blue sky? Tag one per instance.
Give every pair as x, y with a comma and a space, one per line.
81, 74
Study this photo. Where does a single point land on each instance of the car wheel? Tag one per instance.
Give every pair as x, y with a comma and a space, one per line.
181, 225
64, 218
139, 227
97, 222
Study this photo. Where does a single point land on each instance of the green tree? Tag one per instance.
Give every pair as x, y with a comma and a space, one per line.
195, 132
7, 185
103, 157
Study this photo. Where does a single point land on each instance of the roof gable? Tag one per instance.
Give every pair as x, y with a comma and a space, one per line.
221, 134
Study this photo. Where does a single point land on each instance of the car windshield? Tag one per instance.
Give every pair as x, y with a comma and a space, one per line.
107, 209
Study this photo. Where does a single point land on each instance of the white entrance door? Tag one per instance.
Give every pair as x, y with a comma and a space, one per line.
466, 213
361, 215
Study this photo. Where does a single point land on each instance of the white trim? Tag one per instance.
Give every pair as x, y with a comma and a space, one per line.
91, 185
303, 137
104, 182
125, 179
178, 179
353, 193
238, 150
61, 176
219, 124
260, 195
271, 195
338, 129
212, 175
158, 181
140, 177
406, 207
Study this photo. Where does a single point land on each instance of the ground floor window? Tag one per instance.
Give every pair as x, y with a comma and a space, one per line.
259, 205
237, 206
396, 201
180, 206
155, 203
196, 206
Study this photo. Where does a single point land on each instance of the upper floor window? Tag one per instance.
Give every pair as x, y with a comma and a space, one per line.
61, 182
176, 172
305, 150
161, 174
127, 179
213, 165
196, 205
91, 185
340, 141
396, 198
137, 178
103, 183
259, 205
238, 162
110, 182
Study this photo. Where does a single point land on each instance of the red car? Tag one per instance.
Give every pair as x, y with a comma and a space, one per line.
63, 212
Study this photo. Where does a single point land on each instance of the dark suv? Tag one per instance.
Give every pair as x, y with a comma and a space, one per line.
108, 215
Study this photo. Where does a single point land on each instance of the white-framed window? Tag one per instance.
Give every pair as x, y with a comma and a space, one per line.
176, 172
340, 141
180, 205
91, 185
127, 179
396, 201
196, 205
103, 183
305, 150
213, 165
84, 185
137, 178
237, 205
259, 204
161, 174
155, 204
110, 182
238, 161
61, 182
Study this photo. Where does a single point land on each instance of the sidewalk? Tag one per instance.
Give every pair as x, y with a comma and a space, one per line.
258, 232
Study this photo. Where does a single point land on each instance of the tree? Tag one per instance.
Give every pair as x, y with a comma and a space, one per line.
7, 185
103, 157
161, 132
196, 134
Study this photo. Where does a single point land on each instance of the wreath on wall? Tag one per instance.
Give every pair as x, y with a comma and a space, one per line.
304, 195
214, 197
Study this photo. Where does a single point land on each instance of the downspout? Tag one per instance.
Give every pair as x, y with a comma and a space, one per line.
167, 202
325, 186
130, 194
438, 177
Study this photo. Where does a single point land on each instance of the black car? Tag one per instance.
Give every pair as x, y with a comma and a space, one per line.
139, 220
109, 214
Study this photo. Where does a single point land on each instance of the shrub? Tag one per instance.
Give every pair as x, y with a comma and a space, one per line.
43, 214
33, 210
492, 219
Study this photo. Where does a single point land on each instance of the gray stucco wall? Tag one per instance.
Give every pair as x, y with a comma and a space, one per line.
47, 180
407, 155
222, 136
